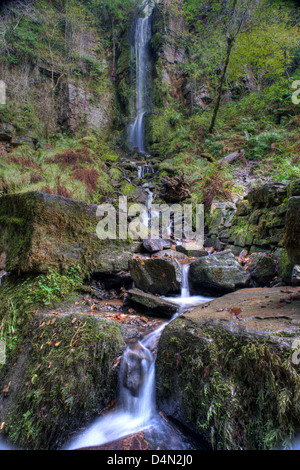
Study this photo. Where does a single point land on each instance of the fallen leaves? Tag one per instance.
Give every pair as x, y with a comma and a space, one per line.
6, 389
235, 312
117, 362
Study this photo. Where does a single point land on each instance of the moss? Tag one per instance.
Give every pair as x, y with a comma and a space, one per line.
67, 379
235, 391
57, 233
21, 297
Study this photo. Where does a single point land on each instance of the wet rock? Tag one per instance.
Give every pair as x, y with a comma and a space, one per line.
218, 273
136, 442
192, 251
224, 369
262, 268
133, 373
151, 303
156, 275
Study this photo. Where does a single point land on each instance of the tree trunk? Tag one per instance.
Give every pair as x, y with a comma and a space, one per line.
230, 42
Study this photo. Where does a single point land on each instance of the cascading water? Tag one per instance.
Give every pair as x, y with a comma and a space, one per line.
186, 299
140, 55
136, 408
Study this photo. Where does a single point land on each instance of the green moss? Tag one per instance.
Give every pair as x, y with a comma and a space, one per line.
67, 379
235, 391
21, 297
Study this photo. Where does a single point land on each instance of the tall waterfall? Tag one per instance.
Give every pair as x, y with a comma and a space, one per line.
140, 56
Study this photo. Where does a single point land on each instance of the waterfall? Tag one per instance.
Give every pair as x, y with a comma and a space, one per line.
145, 169
186, 300
136, 407
140, 55
185, 288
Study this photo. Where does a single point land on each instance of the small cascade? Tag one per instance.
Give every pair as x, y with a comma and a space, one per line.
185, 288
186, 300
136, 407
145, 169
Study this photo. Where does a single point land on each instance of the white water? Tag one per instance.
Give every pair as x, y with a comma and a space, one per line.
136, 410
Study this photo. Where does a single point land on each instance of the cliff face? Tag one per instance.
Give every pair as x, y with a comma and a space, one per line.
57, 69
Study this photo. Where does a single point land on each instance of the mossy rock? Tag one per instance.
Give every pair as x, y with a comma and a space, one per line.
268, 195
233, 382
285, 267
292, 230
262, 268
42, 231
62, 379
217, 274
294, 188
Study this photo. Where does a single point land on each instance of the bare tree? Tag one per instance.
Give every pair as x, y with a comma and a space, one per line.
237, 20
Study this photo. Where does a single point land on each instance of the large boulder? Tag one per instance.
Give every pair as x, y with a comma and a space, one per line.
39, 231
229, 370
156, 275
262, 268
217, 274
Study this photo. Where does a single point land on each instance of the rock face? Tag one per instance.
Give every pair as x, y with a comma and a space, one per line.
151, 303
230, 370
156, 275
217, 274
292, 233
39, 231
76, 107
257, 224
266, 220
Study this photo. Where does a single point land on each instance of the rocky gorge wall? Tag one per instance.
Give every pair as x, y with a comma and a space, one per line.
258, 224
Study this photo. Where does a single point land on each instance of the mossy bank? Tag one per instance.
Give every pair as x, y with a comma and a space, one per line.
228, 375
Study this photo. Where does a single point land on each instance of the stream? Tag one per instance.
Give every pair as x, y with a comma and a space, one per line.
136, 408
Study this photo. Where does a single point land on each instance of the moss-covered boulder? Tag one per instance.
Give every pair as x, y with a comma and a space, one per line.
217, 274
268, 195
292, 230
230, 372
40, 231
62, 378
